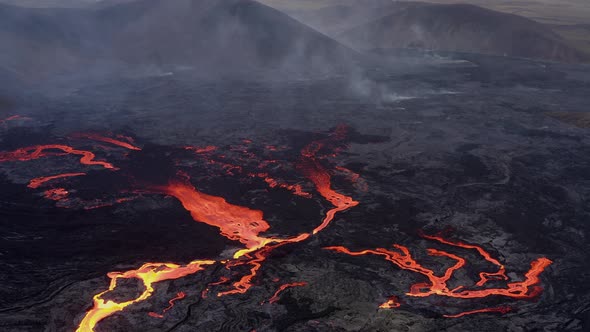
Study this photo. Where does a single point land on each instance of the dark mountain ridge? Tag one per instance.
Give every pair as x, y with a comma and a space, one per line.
376, 24
463, 28
209, 34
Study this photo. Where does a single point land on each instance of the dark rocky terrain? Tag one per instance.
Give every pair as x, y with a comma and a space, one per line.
246, 190
458, 144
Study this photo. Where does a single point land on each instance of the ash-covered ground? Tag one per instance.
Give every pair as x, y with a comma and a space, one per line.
459, 147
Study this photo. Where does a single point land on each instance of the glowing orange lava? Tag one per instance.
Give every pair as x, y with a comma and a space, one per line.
149, 274
247, 227
100, 138
221, 281
321, 178
276, 295
199, 150
235, 223
56, 194
437, 285
179, 296
484, 276
38, 182
87, 158
392, 302
273, 183
502, 310
245, 283
40, 151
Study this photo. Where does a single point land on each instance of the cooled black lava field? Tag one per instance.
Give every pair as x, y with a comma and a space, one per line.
422, 194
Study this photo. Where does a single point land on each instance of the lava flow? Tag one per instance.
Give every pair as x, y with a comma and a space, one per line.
87, 158
438, 285
235, 223
40, 151
502, 310
198, 150
38, 182
392, 302
100, 138
221, 281
321, 178
276, 295
484, 277
149, 274
56, 194
247, 227
296, 189
179, 296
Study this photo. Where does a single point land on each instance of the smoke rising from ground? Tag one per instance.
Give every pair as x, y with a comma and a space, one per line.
212, 37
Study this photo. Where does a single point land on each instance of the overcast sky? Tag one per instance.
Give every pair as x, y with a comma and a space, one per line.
546, 11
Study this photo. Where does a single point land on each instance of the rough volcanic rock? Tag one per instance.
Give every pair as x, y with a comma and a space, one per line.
470, 153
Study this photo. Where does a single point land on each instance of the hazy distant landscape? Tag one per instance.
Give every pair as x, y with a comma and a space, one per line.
569, 18
544, 11
294, 165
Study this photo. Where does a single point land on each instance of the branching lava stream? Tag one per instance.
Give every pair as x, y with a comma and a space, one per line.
235, 223
438, 285
275, 297
40, 151
248, 226
149, 274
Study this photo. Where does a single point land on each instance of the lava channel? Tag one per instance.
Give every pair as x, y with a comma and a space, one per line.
234, 222
179, 296
501, 310
276, 295
100, 138
525, 289
149, 274
40, 181
40, 151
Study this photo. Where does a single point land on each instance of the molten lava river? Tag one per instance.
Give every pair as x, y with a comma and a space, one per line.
307, 169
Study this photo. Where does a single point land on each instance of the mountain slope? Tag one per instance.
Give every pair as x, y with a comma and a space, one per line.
48, 3
224, 34
337, 18
233, 32
463, 28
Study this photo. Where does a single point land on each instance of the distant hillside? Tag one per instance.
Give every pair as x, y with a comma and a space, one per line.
36, 41
211, 34
335, 19
464, 28
578, 34
544, 11
578, 119
49, 3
